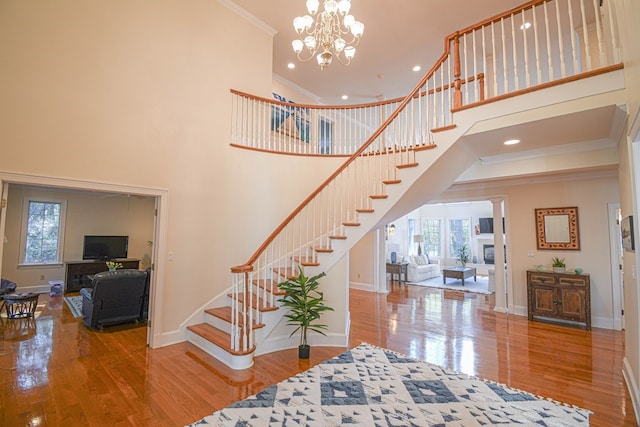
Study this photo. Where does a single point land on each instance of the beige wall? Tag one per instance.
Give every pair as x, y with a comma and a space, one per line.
86, 214
117, 92
628, 16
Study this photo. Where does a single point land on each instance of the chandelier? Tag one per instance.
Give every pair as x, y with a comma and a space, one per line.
325, 32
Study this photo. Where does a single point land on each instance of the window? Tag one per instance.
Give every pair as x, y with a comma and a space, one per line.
42, 232
459, 234
432, 237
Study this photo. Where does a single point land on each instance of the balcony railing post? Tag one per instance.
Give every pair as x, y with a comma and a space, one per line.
457, 95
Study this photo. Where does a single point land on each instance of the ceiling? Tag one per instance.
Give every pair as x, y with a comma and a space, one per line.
398, 35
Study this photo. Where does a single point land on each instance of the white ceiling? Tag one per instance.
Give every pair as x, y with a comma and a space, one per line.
398, 34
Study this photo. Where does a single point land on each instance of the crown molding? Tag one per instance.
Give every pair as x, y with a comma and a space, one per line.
229, 4
297, 88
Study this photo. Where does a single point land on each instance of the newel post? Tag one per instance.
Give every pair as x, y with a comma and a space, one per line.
457, 94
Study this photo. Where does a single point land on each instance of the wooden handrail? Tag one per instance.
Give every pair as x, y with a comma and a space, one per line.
353, 106
452, 39
249, 264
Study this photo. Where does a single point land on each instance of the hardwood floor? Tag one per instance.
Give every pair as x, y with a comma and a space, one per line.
55, 372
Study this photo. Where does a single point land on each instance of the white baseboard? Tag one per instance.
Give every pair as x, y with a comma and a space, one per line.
362, 286
36, 289
284, 342
632, 386
519, 310
172, 337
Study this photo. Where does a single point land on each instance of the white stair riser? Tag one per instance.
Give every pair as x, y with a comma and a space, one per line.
234, 362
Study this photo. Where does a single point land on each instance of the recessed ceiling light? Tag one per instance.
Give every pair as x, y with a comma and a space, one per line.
291, 65
511, 141
525, 26
380, 76
417, 68
345, 97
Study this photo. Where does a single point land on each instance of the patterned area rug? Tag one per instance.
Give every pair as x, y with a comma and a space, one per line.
75, 305
481, 286
370, 386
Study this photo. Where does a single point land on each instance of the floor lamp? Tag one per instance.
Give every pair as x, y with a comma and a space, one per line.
419, 238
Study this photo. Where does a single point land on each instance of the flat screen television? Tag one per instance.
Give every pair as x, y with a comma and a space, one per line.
105, 247
486, 225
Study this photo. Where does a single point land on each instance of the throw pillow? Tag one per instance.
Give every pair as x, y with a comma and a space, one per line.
420, 260
428, 259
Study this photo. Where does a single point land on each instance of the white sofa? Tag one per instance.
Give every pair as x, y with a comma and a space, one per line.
421, 268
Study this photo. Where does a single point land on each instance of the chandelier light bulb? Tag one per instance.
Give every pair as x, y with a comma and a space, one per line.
297, 45
324, 59
331, 6
350, 52
344, 6
312, 6
298, 24
310, 42
357, 28
322, 30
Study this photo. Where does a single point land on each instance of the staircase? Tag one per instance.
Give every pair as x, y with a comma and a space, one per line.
407, 141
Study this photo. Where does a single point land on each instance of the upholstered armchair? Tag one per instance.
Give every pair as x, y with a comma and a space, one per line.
116, 297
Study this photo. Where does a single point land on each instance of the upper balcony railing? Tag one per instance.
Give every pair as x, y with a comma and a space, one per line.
539, 43
502, 56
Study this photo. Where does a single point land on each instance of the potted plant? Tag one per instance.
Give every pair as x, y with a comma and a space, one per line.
305, 303
558, 265
463, 254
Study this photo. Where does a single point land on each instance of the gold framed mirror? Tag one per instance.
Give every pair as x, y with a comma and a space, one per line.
557, 228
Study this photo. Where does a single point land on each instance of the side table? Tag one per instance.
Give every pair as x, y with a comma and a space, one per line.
399, 269
20, 305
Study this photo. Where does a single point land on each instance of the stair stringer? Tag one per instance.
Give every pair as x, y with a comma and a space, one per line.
278, 336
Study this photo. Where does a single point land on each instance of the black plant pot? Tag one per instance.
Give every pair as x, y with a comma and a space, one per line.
303, 351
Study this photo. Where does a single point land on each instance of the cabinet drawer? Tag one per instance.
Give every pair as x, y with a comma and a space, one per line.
542, 279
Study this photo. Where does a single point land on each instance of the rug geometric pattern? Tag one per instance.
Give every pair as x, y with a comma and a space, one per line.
75, 305
371, 386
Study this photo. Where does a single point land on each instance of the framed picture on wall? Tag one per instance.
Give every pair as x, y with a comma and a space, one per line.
626, 230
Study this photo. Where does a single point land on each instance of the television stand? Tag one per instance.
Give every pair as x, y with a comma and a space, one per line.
77, 272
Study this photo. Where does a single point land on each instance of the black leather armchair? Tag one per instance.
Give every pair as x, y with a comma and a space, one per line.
116, 297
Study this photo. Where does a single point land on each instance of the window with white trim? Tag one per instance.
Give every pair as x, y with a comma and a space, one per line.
459, 234
431, 229
42, 232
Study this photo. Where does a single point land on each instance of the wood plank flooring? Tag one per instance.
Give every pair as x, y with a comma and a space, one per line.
55, 372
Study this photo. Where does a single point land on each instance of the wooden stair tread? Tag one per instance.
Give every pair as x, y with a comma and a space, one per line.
224, 313
378, 196
424, 147
306, 261
270, 285
324, 250
407, 165
365, 210
443, 128
256, 302
351, 224
338, 237
392, 181
218, 337
286, 272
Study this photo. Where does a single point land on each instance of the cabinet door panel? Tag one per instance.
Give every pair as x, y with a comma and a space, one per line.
543, 301
573, 303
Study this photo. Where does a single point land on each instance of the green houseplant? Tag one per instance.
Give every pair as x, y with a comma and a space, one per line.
558, 265
463, 254
305, 303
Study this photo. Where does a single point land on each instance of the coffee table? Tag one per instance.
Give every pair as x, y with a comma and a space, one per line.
458, 273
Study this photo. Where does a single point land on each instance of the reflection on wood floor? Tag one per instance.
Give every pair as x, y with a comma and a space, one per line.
54, 371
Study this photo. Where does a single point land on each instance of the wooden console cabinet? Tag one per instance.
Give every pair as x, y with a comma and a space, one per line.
563, 297
77, 273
